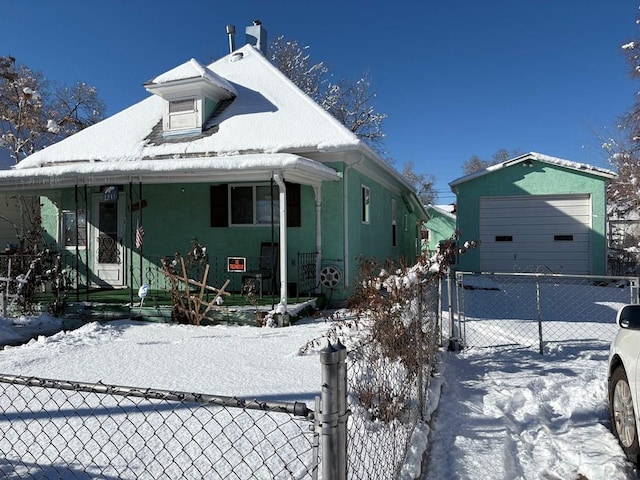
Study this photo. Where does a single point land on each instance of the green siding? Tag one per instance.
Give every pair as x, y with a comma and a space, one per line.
375, 239
175, 214
441, 227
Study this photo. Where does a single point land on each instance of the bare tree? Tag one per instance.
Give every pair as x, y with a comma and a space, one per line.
475, 163
352, 103
423, 183
294, 61
623, 192
35, 113
624, 151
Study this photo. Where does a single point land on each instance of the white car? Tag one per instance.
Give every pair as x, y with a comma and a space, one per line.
624, 380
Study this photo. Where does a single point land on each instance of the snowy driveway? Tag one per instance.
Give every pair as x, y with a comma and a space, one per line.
510, 413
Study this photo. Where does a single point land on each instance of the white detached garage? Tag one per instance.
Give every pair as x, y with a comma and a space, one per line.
534, 213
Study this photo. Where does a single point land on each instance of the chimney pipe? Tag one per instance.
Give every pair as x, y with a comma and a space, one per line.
257, 36
231, 32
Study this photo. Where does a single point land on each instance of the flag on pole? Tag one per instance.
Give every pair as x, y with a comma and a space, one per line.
139, 235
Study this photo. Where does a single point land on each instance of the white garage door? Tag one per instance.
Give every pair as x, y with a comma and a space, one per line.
545, 233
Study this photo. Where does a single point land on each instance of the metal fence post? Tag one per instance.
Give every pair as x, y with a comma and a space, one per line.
633, 289
332, 452
342, 410
539, 312
453, 335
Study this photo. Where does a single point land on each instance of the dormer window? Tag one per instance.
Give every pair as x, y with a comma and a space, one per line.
182, 115
191, 93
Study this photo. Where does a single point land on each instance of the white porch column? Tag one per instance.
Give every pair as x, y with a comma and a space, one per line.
317, 192
282, 199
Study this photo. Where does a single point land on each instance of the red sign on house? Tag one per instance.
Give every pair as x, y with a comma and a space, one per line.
236, 264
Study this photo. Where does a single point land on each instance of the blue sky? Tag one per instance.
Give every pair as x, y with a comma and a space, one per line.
456, 78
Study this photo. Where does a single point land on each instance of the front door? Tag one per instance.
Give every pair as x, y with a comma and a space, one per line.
108, 264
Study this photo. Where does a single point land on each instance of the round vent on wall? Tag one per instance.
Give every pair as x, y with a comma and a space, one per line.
330, 276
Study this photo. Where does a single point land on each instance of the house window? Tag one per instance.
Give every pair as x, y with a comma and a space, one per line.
182, 114
267, 204
366, 204
74, 229
182, 106
563, 238
253, 205
504, 238
394, 227
225, 211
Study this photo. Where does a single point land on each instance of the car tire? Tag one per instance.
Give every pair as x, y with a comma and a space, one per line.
623, 418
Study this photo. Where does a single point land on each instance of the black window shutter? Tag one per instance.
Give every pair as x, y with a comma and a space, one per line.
294, 210
219, 206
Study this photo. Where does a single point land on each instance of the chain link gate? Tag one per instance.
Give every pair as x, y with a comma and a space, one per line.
497, 309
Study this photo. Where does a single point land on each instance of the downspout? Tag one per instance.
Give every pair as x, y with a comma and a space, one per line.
317, 193
140, 252
282, 201
345, 196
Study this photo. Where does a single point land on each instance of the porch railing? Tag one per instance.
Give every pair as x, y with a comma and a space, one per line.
301, 282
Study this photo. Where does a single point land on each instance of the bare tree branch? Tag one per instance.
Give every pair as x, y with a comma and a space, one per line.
35, 113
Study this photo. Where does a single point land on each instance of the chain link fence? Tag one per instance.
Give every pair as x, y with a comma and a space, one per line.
62, 430
494, 309
374, 395
388, 381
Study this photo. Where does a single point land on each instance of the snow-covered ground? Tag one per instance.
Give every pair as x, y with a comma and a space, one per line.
502, 413
511, 413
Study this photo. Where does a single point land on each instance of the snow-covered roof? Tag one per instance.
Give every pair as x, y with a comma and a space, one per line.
189, 71
446, 210
540, 157
264, 116
269, 115
251, 167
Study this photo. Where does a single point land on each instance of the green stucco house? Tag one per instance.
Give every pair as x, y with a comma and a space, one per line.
440, 226
232, 154
534, 213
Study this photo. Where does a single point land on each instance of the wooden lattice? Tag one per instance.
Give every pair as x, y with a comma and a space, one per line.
190, 306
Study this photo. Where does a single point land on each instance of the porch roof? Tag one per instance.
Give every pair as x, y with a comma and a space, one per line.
222, 169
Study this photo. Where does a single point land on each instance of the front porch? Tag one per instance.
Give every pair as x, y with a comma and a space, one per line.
76, 302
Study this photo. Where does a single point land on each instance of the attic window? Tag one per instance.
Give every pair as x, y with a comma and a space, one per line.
181, 106
504, 238
182, 115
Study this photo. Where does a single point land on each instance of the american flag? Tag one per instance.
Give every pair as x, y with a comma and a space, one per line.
139, 235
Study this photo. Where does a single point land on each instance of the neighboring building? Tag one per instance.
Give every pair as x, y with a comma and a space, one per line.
235, 155
534, 213
624, 242
440, 226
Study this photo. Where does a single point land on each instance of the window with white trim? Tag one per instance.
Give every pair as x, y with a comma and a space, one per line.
74, 228
394, 226
254, 205
366, 204
182, 114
